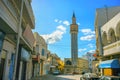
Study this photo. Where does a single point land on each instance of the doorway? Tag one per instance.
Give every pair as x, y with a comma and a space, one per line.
23, 76
2, 64
11, 66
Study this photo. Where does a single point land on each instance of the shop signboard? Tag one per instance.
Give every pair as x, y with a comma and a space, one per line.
25, 55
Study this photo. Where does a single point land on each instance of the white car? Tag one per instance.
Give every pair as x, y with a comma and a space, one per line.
56, 72
89, 76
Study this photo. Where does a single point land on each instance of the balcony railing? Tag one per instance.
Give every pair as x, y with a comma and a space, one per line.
112, 49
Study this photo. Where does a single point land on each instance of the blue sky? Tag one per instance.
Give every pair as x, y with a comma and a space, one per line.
53, 19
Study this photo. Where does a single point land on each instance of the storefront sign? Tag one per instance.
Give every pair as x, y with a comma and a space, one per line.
25, 55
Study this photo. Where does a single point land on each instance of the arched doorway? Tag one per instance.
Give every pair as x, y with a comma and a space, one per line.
104, 39
118, 31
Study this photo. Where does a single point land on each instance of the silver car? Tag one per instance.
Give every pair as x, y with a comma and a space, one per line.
89, 76
110, 78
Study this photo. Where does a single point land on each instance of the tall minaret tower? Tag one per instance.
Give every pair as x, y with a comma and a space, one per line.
74, 40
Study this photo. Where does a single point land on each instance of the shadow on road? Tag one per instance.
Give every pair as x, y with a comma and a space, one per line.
51, 77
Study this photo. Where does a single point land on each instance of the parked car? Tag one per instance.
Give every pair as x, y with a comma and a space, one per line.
89, 76
56, 72
110, 78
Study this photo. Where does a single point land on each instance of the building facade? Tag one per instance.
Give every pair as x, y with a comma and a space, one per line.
35, 62
16, 21
107, 39
53, 62
16, 46
82, 66
90, 58
41, 49
68, 68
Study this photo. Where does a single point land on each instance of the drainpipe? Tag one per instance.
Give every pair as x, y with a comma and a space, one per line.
100, 47
18, 40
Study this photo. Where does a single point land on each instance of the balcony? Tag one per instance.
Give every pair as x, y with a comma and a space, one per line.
111, 49
36, 58
30, 12
28, 37
28, 16
43, 57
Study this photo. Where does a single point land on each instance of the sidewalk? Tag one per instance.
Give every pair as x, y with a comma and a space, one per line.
35, 78
39, 77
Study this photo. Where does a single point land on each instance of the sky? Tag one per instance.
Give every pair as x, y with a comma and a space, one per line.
53, 19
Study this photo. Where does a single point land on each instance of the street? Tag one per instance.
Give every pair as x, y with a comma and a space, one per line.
58, 77
59, 39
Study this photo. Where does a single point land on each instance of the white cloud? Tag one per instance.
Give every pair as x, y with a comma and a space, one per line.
78, 23
56, 35
90, 45
60, 21
87, 37
61, 28
56, 20
66, 23
81, 50
88, 34
87, 31
92, 51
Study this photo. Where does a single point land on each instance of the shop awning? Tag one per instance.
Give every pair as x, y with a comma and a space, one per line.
36, 58
114, 63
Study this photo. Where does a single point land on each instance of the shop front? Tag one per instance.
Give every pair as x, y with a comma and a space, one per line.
2, 35
2, 60
110, 67
36, 65
25, 57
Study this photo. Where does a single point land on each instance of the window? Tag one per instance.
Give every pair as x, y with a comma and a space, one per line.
112, 36
43, 52
68, 70
118, 31
68, 62
104, 39
37, 48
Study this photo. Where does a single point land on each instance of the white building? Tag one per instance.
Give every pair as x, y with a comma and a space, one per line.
107, 28
90, 58
41, 49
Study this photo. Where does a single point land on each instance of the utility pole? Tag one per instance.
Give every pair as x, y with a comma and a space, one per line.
18, 40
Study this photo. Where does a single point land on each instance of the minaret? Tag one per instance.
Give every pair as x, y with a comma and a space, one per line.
74, 40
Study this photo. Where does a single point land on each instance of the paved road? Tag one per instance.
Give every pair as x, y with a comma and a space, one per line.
58, 77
